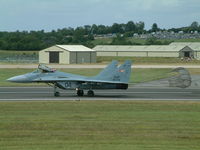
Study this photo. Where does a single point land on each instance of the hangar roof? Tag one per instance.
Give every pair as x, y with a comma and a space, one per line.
193, 45
75, 48
151, 48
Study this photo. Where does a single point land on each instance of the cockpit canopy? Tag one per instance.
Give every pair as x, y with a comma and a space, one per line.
45, 69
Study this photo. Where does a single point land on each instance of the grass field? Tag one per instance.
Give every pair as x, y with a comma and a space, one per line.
138, 75
149, 60
100, 125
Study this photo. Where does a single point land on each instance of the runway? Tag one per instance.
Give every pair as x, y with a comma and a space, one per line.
133, 93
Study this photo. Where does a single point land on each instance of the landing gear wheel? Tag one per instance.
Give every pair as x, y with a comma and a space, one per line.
90, 93
80, 92
56, 94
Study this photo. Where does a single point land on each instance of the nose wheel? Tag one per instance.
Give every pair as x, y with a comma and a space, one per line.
90, 93
56, 93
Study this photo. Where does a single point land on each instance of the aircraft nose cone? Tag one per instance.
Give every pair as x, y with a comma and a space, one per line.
20, 78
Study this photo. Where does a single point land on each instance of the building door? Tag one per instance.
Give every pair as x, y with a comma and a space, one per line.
186, 54
53, 57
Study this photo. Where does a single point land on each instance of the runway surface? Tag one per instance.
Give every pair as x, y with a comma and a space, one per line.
133, 93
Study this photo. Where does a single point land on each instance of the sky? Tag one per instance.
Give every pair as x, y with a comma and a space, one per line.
57, 14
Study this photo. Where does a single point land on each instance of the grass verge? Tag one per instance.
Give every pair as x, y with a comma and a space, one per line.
108, 125
149, 60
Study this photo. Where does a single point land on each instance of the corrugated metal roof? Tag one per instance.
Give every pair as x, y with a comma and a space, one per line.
75, 48
193, 45
156, 48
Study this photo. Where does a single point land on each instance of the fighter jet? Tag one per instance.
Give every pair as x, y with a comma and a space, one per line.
112, 77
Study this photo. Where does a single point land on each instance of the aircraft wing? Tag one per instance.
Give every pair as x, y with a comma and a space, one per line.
64, 79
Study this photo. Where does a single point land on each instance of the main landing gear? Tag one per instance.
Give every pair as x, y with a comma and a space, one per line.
90, 93
81, 93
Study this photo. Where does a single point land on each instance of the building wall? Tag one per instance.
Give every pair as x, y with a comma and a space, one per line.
139, 54
93, 57
63, 55
72, 57
43, 57
82, 57
133, 54
163, 54
106, 53
198, 55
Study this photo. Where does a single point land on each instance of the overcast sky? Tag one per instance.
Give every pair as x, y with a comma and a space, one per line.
54, 14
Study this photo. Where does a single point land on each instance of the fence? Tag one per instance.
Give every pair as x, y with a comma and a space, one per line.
19, 58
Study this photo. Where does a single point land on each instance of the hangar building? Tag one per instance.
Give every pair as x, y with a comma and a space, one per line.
67, 54
141, 51
178, 51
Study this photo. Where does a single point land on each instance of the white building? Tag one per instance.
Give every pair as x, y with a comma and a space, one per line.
67, 54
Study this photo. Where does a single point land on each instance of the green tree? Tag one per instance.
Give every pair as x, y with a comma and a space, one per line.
130, 26
140, 27
155, 27
194, 24
120, 40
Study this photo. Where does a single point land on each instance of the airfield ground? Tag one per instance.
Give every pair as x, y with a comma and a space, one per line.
108, 125
89, 125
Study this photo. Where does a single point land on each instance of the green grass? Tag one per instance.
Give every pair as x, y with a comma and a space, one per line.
138, 75
100, 125
148, 60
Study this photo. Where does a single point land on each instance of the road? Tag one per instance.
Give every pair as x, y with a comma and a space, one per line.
133, 93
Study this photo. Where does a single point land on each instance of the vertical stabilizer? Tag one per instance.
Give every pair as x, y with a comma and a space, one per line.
124, 71
108, 72
114, 73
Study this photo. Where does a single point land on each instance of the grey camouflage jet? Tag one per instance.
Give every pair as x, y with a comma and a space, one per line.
112, 77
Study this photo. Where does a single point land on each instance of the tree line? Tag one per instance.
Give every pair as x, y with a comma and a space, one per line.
37, 40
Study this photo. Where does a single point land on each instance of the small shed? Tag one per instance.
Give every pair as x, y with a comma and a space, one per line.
195, 46
67, 54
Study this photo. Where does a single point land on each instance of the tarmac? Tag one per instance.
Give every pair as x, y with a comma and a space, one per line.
133, 93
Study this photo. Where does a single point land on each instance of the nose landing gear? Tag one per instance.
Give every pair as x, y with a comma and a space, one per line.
56, 93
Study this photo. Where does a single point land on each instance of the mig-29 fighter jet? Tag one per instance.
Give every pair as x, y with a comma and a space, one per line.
112, 77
